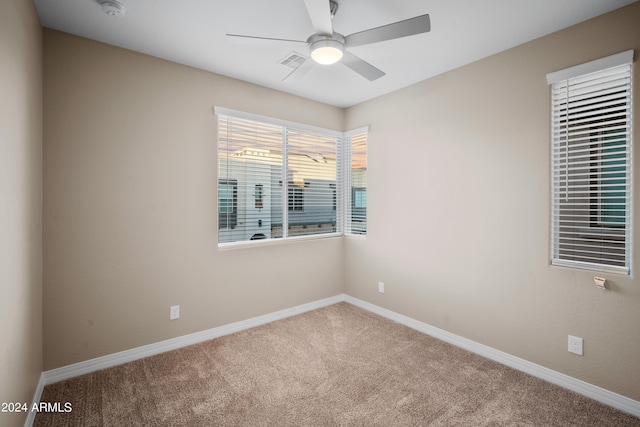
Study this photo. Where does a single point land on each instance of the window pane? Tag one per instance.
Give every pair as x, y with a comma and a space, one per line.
613, 182
358, 217
591, 173
250, 155
268, 162
311, 173
360, 198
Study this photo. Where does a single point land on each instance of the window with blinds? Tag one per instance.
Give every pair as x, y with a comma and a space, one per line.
277, 180
356, 203
591, 165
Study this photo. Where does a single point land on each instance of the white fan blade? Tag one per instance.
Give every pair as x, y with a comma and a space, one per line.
255, 39
361, 67
320, 14
299, 72
409, 27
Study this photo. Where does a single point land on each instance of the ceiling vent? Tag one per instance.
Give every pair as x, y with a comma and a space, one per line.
294, 60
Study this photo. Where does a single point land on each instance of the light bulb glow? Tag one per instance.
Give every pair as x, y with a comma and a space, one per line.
326, 52
326, 55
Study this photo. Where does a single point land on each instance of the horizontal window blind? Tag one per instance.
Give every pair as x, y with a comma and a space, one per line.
357, 193
312, 175
249, 165
275, 181
591, 170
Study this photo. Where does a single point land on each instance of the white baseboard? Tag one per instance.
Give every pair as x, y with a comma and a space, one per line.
36, 400
137, 353
599, 394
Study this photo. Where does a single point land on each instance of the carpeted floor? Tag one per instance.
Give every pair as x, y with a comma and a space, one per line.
335, 366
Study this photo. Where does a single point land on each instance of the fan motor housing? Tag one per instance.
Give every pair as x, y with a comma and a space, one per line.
317, 40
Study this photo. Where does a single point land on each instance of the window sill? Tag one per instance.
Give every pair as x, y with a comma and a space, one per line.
590, 266
271, 242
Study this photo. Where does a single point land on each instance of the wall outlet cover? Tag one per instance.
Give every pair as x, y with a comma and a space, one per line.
174, 312
575, 345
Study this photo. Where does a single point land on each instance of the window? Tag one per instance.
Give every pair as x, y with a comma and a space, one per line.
357, 187
258, 196
334, 196
296, 199
227, 203
591, 169
278, 180
359, 198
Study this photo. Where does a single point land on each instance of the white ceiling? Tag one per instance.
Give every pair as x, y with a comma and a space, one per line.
192, 32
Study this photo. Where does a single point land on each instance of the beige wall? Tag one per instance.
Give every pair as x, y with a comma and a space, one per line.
130, 208
21, 199
130, 222
459, 197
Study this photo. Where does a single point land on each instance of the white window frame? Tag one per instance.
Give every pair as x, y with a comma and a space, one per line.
563, 160
343, 177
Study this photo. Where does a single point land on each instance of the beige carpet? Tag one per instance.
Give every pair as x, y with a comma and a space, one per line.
336, 366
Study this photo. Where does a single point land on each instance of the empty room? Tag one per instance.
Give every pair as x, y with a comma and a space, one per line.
314, 212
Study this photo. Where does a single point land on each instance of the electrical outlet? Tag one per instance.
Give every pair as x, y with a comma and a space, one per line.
381, 287
575, 345
174, 312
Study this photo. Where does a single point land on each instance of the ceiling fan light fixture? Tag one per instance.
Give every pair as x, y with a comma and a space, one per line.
326, 51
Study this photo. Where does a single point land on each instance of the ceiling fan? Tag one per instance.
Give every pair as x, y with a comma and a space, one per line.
328, 47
